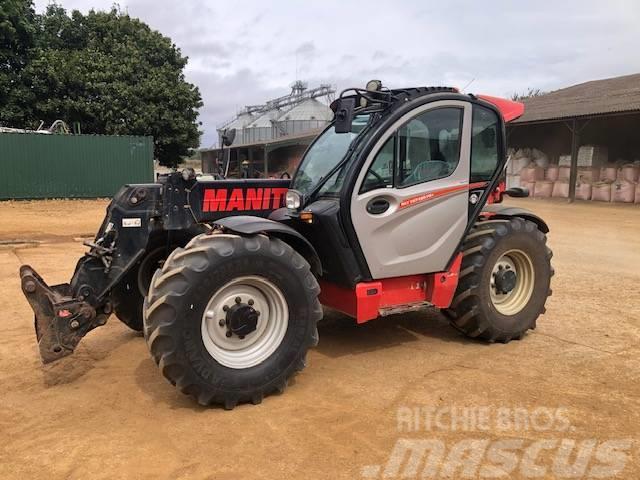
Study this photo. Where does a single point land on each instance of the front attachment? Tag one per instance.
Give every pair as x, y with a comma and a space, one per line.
60, 320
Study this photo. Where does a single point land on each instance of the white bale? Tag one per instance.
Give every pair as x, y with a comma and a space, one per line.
564, 161
517, 164
592, 156
513, 180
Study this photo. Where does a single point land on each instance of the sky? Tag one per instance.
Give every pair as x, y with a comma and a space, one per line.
246, 52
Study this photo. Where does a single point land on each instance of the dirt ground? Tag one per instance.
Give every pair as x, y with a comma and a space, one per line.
106, 412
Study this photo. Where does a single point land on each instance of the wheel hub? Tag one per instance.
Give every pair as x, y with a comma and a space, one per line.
505, 280
241, 318
512, 282
244, 322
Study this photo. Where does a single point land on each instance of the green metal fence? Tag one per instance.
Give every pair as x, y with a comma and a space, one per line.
63, 166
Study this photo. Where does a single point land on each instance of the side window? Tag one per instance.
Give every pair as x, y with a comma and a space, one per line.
484, 144
429, 146
380, 173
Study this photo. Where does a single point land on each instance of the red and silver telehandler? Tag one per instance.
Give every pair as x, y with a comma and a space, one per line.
394, 207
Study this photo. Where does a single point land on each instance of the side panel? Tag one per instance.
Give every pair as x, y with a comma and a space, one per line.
424, 223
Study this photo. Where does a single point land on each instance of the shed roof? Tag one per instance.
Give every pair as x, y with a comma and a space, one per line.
597, 97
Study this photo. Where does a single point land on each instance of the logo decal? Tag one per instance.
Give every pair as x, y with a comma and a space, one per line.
424, 197
238, 199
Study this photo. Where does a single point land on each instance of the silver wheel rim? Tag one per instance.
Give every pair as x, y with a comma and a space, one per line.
517, 299
257, 346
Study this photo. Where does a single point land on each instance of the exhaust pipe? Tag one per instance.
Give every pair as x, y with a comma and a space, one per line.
60, 320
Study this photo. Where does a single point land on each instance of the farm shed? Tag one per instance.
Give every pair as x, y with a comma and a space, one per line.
268, 158
586, 141
72, 166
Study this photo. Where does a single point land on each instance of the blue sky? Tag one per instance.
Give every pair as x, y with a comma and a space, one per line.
244, 52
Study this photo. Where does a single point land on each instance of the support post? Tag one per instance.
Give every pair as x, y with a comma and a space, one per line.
266, 162
251, 168
575, 146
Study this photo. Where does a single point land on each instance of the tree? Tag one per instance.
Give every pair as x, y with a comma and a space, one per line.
113, 75
531, 92
17, 40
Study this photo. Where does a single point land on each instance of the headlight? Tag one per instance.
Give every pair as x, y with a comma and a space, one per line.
293, 200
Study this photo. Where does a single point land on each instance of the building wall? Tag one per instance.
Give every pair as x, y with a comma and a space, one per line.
62, 166
285, 159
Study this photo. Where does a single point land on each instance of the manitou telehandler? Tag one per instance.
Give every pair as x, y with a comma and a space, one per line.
394, 207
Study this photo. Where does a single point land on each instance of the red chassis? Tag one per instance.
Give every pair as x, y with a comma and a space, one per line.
369, 300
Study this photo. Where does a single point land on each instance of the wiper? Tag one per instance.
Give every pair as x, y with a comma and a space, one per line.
339, 165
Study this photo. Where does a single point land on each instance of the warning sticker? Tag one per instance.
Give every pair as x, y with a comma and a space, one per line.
131, 222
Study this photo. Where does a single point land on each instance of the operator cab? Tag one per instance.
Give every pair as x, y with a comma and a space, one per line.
392, 185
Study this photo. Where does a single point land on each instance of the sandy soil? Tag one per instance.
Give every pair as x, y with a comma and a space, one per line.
106, 412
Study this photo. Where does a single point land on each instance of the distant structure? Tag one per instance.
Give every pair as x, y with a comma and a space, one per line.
298, 112
270, 138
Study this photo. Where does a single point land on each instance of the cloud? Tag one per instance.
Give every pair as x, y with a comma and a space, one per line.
243, 52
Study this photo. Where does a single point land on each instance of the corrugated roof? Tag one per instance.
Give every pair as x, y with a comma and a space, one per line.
611, 95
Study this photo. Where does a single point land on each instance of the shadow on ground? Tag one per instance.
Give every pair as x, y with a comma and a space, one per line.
340, 335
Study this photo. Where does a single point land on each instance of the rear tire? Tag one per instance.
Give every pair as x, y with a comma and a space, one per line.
483, 309
185, 305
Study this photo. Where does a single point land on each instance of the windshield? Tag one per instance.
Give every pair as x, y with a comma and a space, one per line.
325, 153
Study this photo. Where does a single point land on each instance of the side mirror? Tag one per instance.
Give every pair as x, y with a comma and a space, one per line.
517, 192
228, 136
343, 108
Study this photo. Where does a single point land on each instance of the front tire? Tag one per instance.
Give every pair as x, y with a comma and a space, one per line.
229, 319
504, 280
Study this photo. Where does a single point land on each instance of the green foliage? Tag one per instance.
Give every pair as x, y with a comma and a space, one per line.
17, 40
531, 92
114, 75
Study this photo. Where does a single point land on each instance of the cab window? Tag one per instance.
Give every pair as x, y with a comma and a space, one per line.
380, 174
425, 148
429, 146
484, 144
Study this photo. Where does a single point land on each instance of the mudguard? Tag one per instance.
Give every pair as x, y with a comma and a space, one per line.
249, 225
497, 210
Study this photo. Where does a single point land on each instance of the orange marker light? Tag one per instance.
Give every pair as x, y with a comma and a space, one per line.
306, 217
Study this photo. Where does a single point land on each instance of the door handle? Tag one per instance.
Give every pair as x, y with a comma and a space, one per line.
377, 206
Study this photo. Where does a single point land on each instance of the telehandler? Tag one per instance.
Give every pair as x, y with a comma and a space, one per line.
394, 207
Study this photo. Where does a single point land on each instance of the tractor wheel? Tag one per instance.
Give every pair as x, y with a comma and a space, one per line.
504, 280
128, 295
229, 319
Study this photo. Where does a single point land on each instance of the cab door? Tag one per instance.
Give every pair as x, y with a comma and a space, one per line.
409, 206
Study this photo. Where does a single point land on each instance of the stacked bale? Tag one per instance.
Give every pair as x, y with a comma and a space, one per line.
527, 166
618, 182
597, 179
